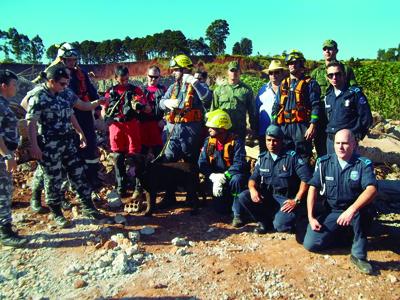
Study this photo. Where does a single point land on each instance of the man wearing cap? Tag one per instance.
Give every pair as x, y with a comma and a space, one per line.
236, 98
266, 97
183, 105
345, 106
52, 143
296, 108
277, 185
347, 183
329, 50
223, 162
8, 144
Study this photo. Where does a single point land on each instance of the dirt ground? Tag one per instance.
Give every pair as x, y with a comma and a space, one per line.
227, 263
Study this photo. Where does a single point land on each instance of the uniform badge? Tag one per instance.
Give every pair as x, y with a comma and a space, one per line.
330, 178
362, 100
354, 175
347, 103
300, 161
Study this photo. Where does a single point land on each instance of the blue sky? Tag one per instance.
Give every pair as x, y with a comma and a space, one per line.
359, 27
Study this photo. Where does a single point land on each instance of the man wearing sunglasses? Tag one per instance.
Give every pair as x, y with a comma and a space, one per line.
49, 119
296, 108
329, 51
345, 106
265, 99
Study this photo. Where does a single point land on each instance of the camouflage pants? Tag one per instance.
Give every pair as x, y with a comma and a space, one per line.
5, 194
38, 180
58, 154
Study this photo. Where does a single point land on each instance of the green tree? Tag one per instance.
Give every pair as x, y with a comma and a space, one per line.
216, 34
36, 50
381, 54
88, 52
19, 44
236, 49
198, 47
4, 47
246, 46
51, 52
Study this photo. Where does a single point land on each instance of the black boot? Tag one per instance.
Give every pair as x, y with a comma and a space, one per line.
10, 238
120, 174
92, 173
35, 201
59, 218
90, 211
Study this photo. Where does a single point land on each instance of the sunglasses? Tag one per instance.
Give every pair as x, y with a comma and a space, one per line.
277, 72
331, 75
153, 77
328, 48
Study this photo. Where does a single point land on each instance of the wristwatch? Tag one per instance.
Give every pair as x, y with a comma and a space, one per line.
7, 156
297, 201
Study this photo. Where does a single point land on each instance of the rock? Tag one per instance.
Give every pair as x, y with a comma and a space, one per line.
110, 245
179, 242
132, 250
113, 199
160, 286
134, 236
147, 230
19, 218
80, 284
182, 251
392, 278
71, 269
120, 219
120, 263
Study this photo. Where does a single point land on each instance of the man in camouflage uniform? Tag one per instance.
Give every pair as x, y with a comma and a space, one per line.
8, 143
329, 50
236, 98
49, 122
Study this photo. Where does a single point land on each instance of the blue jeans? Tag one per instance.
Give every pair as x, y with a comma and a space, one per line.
328, 235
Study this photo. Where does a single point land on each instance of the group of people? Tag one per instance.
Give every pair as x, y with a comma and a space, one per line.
188, 121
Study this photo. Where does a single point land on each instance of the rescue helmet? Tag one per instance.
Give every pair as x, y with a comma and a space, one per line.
218, 119
294, 55
66, 50
180, 61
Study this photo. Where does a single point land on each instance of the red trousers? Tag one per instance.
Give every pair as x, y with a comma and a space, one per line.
125, 137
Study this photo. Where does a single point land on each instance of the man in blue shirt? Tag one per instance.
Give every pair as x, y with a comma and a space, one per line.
346, 106
277, 185
347, 182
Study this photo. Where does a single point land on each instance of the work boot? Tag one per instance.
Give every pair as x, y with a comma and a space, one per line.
138, 190
363, 265
58, 216
90, 211
10, 238
35, 202
261, 228
237, 222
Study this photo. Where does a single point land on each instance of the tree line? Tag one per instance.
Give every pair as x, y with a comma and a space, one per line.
20, 48
391, 54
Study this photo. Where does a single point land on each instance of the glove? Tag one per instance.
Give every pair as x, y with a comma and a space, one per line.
188, 78
171, 103
218, 180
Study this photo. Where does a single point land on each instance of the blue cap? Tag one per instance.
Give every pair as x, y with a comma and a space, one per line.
274, 131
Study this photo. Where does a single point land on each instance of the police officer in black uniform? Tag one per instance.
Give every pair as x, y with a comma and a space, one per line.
346, 107
347, 182
277, 185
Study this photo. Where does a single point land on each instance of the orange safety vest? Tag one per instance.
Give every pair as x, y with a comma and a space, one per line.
185, 114
228, 150
300, 113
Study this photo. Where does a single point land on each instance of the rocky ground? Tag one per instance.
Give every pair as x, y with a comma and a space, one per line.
179, 256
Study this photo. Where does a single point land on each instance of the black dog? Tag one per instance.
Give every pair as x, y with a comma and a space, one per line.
158, 177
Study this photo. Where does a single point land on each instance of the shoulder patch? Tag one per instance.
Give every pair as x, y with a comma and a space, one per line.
365, 160
291, 152
322, 158
362, 100
355, 89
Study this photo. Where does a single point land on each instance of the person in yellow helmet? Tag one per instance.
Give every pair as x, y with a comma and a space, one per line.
223, 162
184, 109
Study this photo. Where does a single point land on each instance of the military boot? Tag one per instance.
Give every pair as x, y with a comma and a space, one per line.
90, 211
59, 218
35, 201
362, 265
10, 238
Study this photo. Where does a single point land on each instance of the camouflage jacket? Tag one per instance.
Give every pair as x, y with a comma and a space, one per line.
52, 112
8, 125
